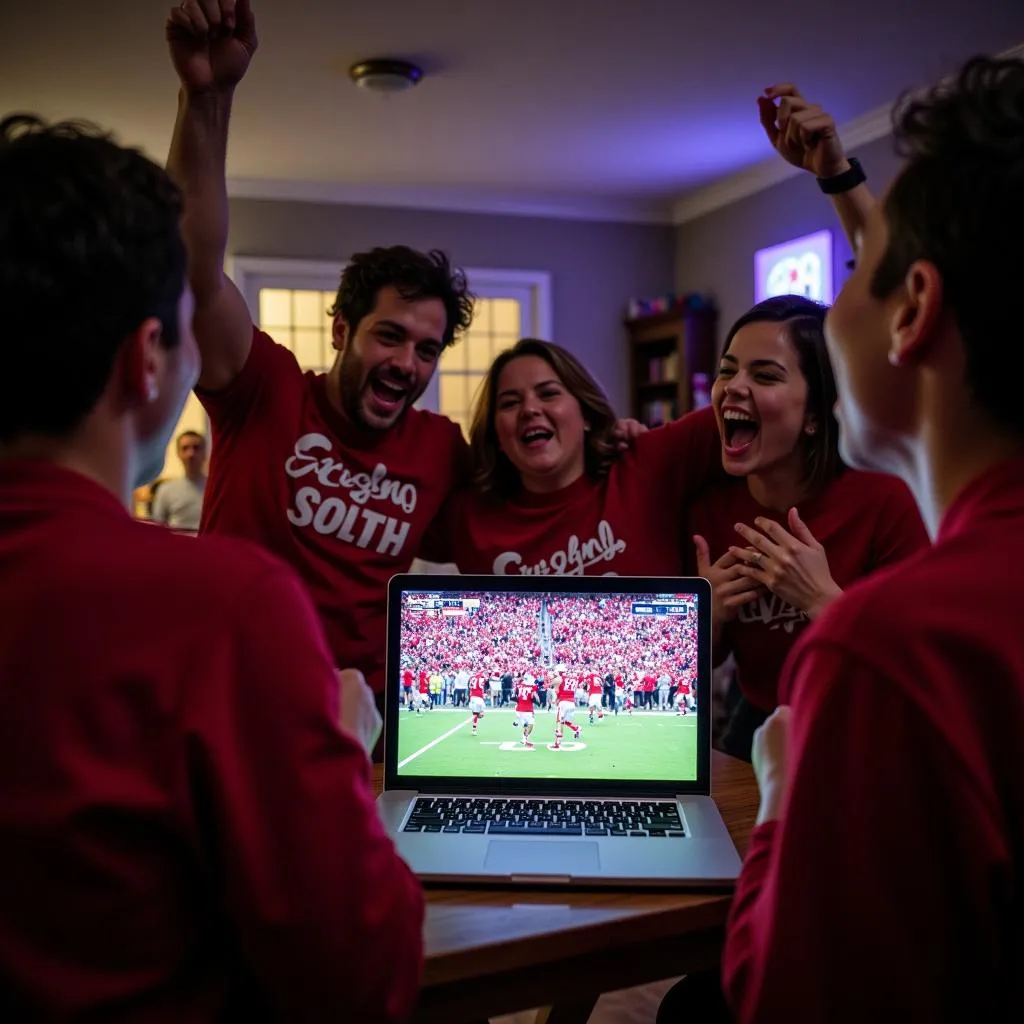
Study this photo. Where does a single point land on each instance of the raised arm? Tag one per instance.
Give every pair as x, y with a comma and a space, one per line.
805, 136
211, 43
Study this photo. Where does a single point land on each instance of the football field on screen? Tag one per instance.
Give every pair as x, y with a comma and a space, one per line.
644, 745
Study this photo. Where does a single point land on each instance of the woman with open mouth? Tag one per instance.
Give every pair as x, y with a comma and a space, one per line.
790, 527
554, 492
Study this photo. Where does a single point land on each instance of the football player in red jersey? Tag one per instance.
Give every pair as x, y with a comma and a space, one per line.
595, 689
477, 689
423, 697
526, 695
566, 698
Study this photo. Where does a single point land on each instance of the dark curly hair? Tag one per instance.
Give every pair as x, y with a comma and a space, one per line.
959, 204
493, 473
90, 247
803, 320
415, 275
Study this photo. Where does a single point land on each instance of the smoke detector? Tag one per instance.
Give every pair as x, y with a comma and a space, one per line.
385, 75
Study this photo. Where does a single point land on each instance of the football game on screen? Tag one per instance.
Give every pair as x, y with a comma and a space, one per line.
548, 686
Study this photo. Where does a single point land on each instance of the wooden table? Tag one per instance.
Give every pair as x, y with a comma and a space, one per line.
498, 951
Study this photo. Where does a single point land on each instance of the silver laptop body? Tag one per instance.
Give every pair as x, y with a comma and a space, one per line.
612, 791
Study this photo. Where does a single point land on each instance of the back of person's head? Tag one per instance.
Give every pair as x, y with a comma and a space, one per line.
803, 321
414, 275
493, 472
958, 203
90, 249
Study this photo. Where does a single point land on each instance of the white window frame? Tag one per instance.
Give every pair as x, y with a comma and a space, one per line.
532, 288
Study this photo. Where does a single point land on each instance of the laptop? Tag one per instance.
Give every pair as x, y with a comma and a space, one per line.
552, 731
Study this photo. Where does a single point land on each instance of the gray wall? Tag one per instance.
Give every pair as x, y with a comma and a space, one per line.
595, 267
715, 253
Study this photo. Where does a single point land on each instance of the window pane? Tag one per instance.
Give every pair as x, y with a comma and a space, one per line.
275, 308
309, 347
454, 356
473, 383
505, 317
309, 309
483, 316
452, 393
283, 336
478, 352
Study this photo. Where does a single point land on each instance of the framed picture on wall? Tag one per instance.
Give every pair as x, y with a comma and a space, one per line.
801, 266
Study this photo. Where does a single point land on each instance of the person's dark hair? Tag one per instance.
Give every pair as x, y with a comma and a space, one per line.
957, 203
415, 275
90, 247
804, 323
189, 433
493, 473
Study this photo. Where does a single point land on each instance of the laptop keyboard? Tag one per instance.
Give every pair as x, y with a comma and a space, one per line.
517, 817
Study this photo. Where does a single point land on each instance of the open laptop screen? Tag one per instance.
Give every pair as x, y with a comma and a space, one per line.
546, 684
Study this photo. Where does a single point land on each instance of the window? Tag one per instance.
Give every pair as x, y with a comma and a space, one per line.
289, 299
497, 324
297, 318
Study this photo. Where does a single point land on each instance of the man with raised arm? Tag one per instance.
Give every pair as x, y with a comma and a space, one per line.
337, 473
188, 834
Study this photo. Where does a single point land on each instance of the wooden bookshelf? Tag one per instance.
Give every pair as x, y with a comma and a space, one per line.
665, 351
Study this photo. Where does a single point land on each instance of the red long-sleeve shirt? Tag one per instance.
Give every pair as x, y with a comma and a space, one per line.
184, 829
892, 881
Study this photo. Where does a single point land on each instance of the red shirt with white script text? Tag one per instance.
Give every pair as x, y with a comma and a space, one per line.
346, 507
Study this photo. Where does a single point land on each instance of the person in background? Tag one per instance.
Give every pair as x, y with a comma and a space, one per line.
188, 833
790, 527
178, 503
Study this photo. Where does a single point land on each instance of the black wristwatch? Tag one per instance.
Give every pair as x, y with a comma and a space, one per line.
844, 182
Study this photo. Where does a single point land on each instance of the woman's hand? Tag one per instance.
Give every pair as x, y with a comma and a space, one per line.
730, 590
802, 133
792, 566
625, 432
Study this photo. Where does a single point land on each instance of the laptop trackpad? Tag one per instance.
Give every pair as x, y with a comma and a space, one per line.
543, 858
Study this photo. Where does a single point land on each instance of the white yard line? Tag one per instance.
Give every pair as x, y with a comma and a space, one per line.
434, 743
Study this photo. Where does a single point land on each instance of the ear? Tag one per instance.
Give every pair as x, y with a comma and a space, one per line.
339, 334
144, 363
811, 425
916, 315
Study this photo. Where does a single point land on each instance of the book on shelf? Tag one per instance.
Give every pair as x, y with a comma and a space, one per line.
659, 411
663, 369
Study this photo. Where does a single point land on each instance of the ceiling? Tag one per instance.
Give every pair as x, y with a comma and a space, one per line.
582, 107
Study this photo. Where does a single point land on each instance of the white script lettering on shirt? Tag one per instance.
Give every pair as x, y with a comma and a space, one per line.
577, 557
347, 520
775, 613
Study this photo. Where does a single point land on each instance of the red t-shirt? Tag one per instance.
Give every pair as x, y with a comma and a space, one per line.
594, 684
626, 524
892, 882
346, 507
524, 696
477, 683
864, 521
186, 831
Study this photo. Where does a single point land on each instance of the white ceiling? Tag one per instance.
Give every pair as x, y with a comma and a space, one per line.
605, 107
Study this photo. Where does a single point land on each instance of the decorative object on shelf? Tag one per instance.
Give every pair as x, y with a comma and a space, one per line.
665, 303
385, 75
801, 266
671, 356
